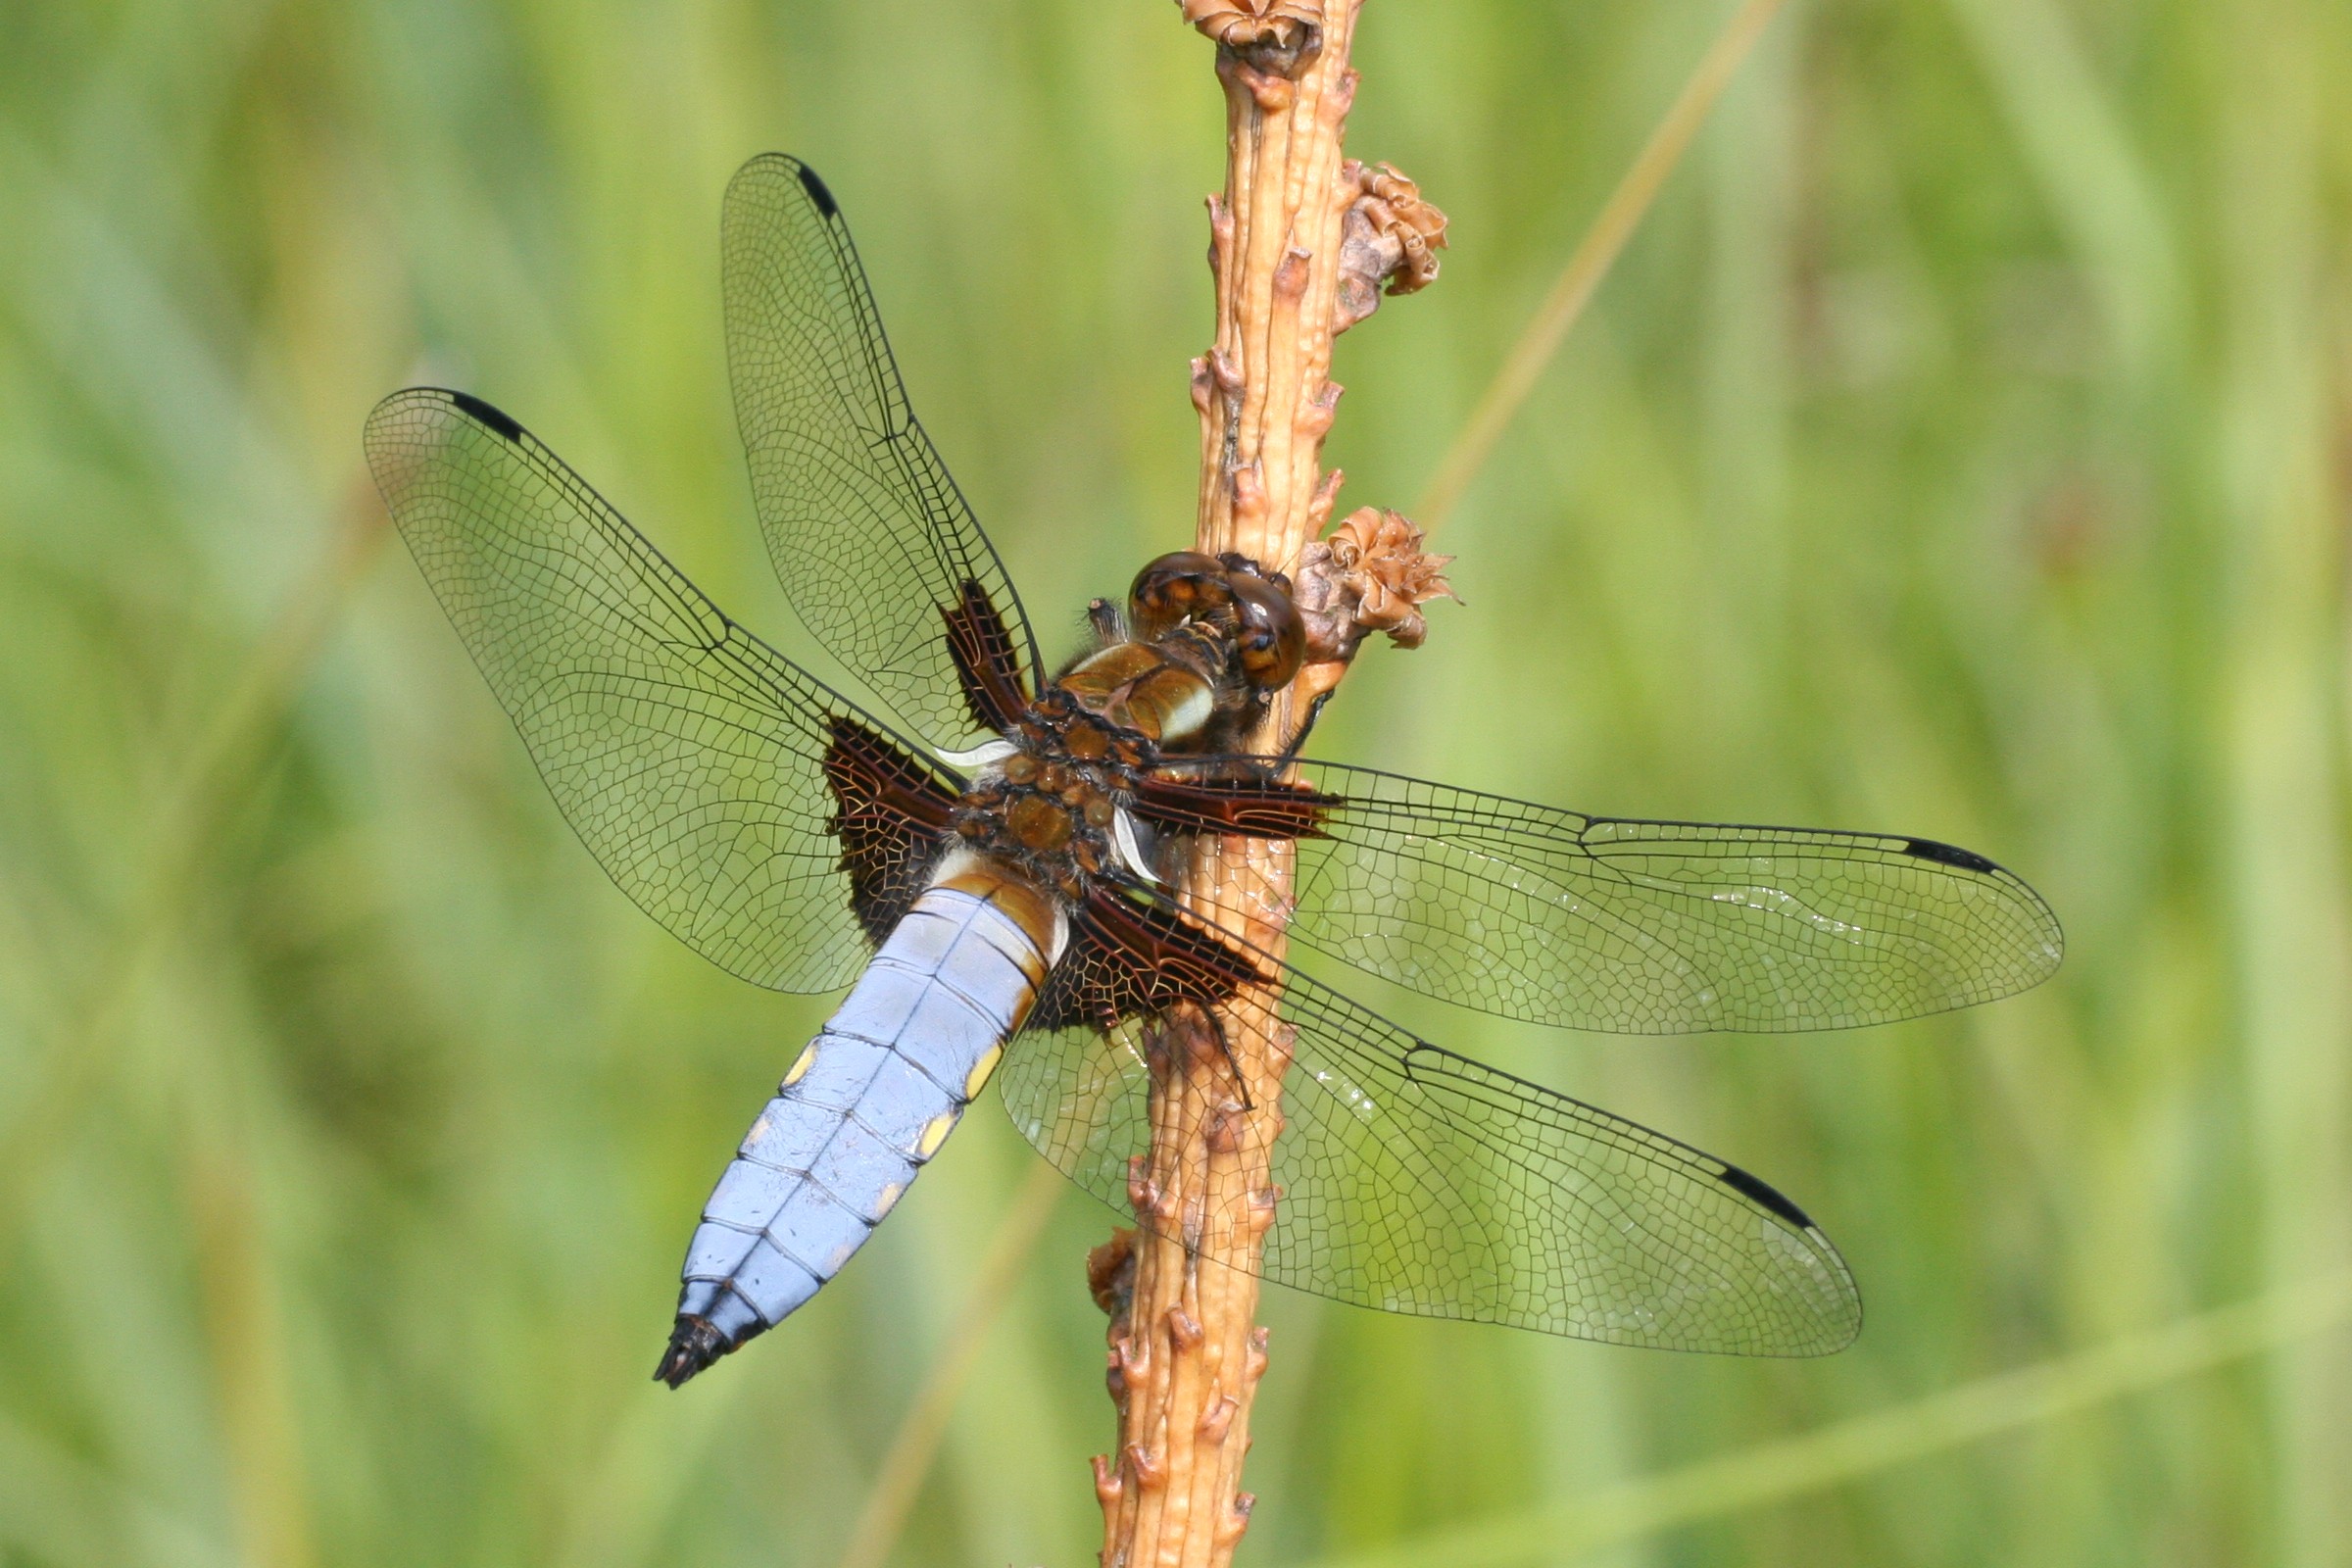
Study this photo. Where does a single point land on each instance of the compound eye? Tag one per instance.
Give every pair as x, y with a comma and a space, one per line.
1272, 636
1181, 583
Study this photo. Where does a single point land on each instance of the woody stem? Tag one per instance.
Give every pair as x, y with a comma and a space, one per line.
1186, 1353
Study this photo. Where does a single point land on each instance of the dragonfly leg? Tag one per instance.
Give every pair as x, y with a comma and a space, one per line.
1314, 710
1178, 1029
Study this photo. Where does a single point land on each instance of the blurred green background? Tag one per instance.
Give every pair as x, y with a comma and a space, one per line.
1961, 448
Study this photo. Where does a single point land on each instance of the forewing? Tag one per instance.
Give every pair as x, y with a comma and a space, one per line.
874, 543
1642, 927
689, 756
1417, 1181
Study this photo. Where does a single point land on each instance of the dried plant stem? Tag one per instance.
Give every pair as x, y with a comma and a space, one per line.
1186, 1353
1263, 391
1592, 258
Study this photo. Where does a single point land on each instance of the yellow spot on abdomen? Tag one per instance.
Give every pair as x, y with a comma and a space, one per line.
935, 1133
799, 1069
980, 1071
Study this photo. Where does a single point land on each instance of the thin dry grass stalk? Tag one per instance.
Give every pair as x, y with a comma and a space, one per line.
925, 1424
1772, 1472
1302, 242
1592, 258
214, 782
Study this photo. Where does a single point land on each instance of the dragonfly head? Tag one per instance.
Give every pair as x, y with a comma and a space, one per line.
1269, 634
1245, 606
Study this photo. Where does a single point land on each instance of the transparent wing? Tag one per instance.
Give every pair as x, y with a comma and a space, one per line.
872, 540
1417, 1181
1640, 927
690, 757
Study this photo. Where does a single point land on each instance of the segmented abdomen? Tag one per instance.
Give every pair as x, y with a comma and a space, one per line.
867, 1104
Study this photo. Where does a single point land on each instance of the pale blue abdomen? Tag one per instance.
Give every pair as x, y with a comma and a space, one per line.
867, 1104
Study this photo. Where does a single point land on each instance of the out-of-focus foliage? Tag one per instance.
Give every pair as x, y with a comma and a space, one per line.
1960, 449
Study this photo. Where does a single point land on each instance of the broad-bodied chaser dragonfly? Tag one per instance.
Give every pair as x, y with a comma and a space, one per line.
997, 869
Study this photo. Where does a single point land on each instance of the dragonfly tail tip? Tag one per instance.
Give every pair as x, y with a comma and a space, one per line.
694, 1345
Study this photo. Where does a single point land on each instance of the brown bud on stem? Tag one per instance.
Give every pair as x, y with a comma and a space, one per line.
1390, 237
1371, 574
1277, 36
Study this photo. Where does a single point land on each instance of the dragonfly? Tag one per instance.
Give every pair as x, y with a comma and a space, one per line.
991, 854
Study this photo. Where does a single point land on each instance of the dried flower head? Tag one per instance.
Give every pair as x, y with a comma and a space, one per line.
1389, 236
1369, 575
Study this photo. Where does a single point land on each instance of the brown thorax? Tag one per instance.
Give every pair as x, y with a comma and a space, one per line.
1190, 665
1051, 806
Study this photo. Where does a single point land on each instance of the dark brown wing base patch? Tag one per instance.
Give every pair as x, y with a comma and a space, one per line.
1128, 960
891, 814
987, 662
1249, 808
